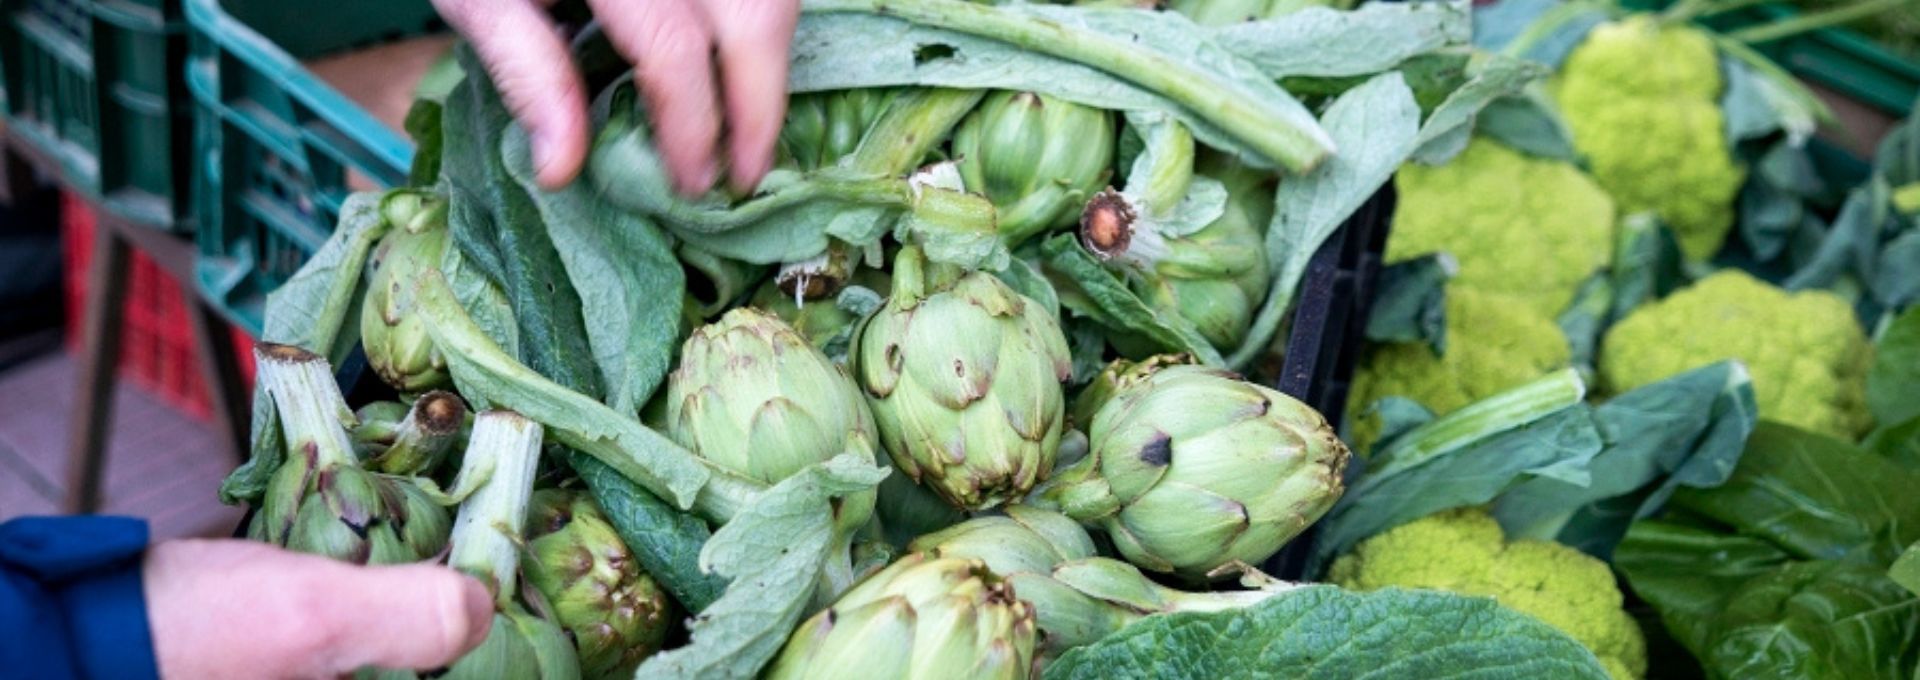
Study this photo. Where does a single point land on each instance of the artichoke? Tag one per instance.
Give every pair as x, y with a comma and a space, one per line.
1215, 277
755, 398
1077, 597
964, 376
596, 590
419, 442
823, 127
396, 344
1037, 158
320, 500
921, 617
1192, 470
1118, 375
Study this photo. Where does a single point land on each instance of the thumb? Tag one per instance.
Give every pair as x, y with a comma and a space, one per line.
415, 616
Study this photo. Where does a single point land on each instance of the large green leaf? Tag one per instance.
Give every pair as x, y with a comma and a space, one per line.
1687, 571
1326, 632
666, 541
1893, 385
1817, 620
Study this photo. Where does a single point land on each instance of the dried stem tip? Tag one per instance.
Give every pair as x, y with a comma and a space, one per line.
1106, 226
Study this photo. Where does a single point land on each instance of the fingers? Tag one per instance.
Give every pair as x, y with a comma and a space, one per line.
671, 48
416, 616
753, 38
534, 73
237, 609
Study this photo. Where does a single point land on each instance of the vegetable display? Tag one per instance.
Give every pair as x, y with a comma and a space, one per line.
977, 381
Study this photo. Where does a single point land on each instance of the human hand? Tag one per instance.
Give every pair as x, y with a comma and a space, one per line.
673, 45
230, 609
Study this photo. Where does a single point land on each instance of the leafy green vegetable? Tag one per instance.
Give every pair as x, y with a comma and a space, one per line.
1467, 457
1893, 383
1782, 570
1411, 303
1688, 431
1899, 443
1327, 632
1906, 570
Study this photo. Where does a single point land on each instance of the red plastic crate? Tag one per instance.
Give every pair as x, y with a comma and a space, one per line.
156, 340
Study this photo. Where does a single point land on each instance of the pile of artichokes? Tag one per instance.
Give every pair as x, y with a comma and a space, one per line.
1051, 477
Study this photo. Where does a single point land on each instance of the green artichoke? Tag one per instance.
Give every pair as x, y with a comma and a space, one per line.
1037, 158
964, 376
596, 590
320, 500
755, 398
920, 617
1118, 375
1215, 277
1077, 597
419, 443
823, 127
1192, 470
396, 344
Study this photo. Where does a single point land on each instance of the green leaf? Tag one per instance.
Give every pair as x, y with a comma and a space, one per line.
1528, 123
1106, 299
1447, 128
771, 553
1646, 263
318, 308
1893, 384
1688, 430
1375, 37
1899, 443
1585, 319
630, 285
1467, 457
1817, 620
1688, 572
1376, 127
1816, 497
1325, 632
1411, 305
1906, 570
666, 541
553, 333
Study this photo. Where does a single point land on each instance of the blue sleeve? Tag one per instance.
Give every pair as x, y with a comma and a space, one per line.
71, 601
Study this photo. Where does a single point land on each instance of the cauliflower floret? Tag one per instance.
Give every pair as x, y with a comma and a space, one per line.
1463, 551
1806, 352
1532, 228
1642, 100
1493, 344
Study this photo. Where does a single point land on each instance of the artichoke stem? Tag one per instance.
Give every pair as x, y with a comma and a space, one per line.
909, 281
816, 277
486, 534
312, 411
425, 436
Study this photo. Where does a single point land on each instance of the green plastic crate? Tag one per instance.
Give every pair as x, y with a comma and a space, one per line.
273, 144
94, 86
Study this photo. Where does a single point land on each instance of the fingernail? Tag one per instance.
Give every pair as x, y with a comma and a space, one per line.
477, 607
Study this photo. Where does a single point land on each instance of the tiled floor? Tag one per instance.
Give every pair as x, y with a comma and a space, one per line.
161, 465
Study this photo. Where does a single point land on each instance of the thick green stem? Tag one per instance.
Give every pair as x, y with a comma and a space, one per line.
486, 534
312, 411
1202, 94
1481, 419
423, 438
1812, 22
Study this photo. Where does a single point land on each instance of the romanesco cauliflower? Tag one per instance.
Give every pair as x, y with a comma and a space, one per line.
1642, 100
1463, 551
1493, 344
1532, 228
1807, 354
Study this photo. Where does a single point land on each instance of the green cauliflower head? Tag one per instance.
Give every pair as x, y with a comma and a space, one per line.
1493, 344
1528, 227
1805, 351
1642, 100
1464, 551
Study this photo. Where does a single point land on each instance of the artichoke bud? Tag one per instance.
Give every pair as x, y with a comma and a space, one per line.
964, 376
823, 127
1037, 158
1192, 470
397, 345
595, 588
921, 617
1027, 539
424, 437
1118, 375
753, 397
